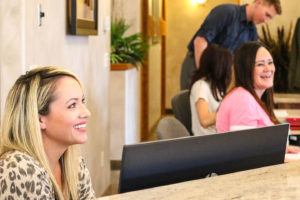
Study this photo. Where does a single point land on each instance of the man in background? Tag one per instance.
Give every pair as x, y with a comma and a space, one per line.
229, 26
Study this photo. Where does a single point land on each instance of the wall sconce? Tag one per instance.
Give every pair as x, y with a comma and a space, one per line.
199, 2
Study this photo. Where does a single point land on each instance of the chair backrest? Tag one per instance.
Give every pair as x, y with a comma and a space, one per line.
182, 109
170, 127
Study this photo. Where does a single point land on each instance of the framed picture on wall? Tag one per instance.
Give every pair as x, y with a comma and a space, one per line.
82, 17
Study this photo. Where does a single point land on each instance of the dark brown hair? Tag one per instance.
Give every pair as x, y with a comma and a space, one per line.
216, 68
244, 63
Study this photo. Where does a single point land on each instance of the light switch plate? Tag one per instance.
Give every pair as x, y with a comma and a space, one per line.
106, 26
40, 15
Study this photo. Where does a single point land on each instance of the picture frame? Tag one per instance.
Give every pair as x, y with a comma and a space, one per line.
82, 17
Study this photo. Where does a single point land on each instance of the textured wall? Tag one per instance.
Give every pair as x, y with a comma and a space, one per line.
154, 75
124, 101
154, 101
129, 10
23, 44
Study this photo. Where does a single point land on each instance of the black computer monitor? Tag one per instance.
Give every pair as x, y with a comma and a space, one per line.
164, 162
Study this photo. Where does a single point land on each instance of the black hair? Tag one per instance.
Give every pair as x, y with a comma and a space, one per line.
216, 68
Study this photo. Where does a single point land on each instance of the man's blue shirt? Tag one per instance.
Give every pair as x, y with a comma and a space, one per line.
227, 26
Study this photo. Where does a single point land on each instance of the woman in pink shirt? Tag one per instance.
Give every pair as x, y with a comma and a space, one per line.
250, 103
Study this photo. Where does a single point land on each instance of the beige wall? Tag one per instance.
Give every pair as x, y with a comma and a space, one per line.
154, 102
124, 115
154, 75
23, 44
183, 20
130, 11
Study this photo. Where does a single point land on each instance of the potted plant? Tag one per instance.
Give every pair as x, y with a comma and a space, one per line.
280, 49
126, 49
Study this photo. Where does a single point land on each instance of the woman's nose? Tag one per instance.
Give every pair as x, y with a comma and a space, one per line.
84, 112
269, 67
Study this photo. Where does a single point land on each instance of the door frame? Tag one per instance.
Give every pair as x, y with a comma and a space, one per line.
145, 70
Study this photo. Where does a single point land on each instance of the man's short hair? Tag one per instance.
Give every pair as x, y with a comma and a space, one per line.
276, 4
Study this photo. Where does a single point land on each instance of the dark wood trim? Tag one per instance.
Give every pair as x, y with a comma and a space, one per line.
121, 66
163, 62
144, 76
287, 105
107, 191
169, 111
115, 164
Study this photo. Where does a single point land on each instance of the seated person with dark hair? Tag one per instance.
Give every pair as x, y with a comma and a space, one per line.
209, 86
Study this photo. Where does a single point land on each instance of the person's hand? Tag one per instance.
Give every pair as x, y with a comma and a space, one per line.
292, 153
292, 149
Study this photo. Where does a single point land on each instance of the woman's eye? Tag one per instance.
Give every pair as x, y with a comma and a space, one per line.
73, 105
83, 100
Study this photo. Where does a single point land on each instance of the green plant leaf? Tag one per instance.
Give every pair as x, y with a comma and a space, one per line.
126, 49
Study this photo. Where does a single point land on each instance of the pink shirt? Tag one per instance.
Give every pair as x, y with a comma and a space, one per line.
239, 108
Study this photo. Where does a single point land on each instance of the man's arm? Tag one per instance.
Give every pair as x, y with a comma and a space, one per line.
200, 45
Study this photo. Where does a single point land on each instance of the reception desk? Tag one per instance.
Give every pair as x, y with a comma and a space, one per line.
287, 101
273, 182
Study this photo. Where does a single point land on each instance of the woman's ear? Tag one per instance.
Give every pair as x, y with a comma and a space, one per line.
42, 121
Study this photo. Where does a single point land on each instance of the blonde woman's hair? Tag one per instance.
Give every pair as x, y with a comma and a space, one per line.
30, 97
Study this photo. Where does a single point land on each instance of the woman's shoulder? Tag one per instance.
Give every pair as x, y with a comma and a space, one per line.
17, 158
200, 84
86, 190
199, 89
238, 97
202, 81
24, 174
240, 93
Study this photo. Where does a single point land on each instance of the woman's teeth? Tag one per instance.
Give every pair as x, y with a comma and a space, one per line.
80, 126
266, 76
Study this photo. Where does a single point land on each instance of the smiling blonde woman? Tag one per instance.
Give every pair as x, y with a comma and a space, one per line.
44, 117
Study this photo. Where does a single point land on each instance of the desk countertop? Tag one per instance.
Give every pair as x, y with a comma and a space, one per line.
286, 98
273, 182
